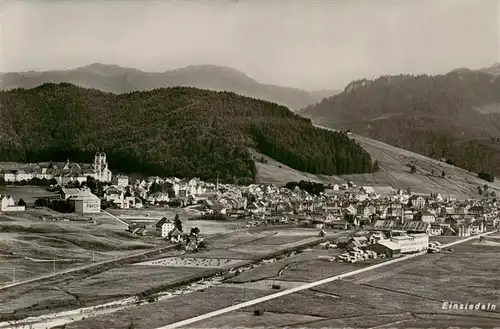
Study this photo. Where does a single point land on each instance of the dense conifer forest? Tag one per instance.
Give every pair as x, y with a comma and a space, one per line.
454, 116
184, 132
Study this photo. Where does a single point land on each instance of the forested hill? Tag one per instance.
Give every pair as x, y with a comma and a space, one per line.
455, 116
177, 131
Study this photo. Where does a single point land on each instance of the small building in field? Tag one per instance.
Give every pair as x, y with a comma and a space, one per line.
175, 235
7, 203
165, 226
387, 248
340, 225
318, 223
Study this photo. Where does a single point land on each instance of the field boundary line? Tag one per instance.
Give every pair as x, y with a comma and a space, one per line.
115, 217
307, 286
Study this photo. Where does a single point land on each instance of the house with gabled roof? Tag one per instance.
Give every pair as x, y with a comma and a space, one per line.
165, 225
7, 203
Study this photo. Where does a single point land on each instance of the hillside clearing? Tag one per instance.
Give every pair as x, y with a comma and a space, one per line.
394, 172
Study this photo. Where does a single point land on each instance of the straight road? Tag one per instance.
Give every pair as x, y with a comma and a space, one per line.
305, 287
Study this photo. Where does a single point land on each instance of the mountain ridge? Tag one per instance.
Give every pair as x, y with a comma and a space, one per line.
454, 116
118, 79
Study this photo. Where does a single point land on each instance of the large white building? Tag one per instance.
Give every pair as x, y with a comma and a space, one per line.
412, 242
85, 202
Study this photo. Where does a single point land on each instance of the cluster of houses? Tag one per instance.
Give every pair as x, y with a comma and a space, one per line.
340, 206
167, 229
344, 207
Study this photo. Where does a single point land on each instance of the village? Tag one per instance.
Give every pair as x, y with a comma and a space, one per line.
386, 221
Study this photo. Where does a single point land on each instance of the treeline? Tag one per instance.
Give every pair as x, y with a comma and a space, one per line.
33, 182
437, 116
183, 132
308, 186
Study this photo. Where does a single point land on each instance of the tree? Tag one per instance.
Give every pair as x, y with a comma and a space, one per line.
2, 182
486, 176
479, 190
485, 187
42, 202
433, 172
195, 230
155, 188
171, 192
178, 223
408, 190
202, 245
443, 174
413, 169
21, 203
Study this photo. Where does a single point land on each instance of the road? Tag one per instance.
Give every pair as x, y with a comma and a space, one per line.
304, 287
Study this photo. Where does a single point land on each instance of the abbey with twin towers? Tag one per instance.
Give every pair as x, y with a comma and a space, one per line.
62, 172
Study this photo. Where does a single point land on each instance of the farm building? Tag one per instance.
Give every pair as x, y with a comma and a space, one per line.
388, 248
7, 203
165, 226
318, 223
339, 225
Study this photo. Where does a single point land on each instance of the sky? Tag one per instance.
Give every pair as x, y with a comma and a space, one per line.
303, 44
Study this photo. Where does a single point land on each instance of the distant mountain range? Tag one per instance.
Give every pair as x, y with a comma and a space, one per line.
454, 116
116, 79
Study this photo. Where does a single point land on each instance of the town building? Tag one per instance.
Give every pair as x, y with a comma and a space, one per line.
165, 226
411, 242
387, 248
85, 202
103, 174
7, 203
122, 180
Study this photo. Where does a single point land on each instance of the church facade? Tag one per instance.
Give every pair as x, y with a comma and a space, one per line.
100, 166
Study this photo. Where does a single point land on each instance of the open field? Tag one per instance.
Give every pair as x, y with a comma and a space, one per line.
393, 172
278, 269
151, 212
30, 246
170, 310
95, 287
28, 193
192, 262
249, 320
408, 294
